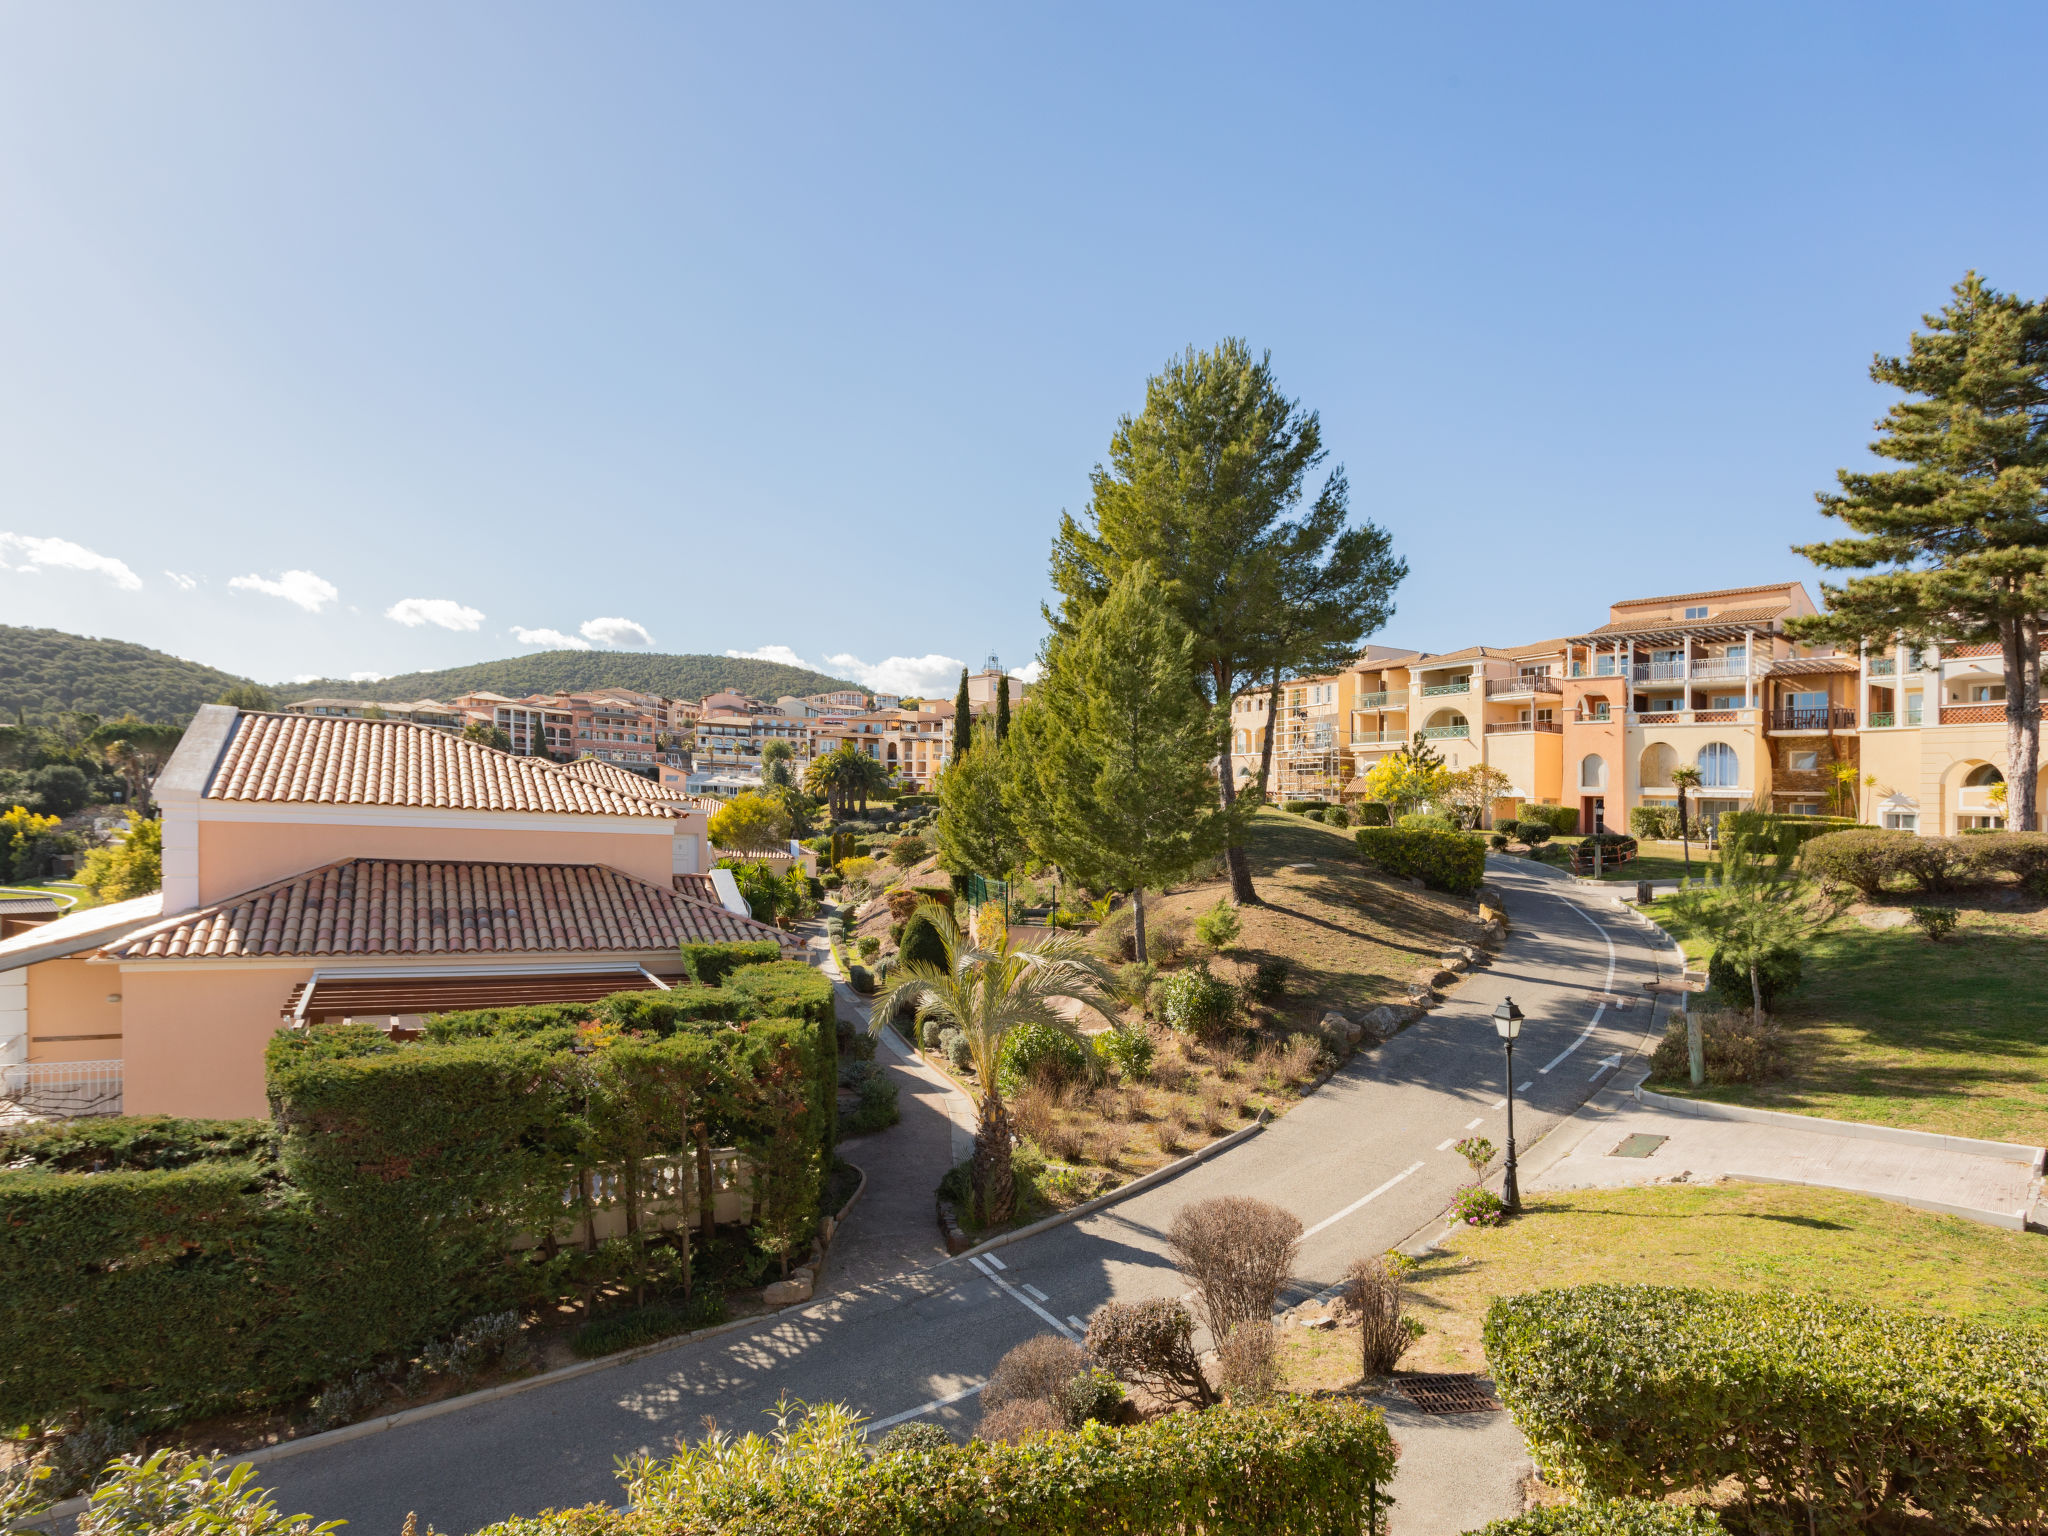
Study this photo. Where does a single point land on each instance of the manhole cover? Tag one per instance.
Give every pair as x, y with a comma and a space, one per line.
1450, 1394
1638, 1146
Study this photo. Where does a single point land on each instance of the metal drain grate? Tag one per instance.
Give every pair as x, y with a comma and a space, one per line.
1450, 1394
1639, 1145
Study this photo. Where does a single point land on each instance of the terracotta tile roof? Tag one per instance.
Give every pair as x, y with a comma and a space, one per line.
592, 770
332, 760
1729, 616
1805, 666
698, 888
366, 907
1483, 652
1695, 597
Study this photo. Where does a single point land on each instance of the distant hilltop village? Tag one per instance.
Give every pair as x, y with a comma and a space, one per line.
711, 745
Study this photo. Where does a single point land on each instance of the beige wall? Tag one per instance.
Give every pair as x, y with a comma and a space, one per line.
237, 856
67, 999
196, 1035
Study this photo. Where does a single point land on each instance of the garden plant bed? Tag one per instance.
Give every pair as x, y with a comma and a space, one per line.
1890, 1028
1734, 1236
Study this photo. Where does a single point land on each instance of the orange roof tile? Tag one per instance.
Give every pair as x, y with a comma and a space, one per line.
332, 760
593, 770
1730, 616
371, 907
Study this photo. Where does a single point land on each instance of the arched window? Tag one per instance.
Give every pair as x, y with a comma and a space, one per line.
1719, 767
1982, 774
1593, 771
1658, 761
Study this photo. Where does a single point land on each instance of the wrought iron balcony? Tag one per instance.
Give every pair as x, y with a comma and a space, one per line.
1388, 700
1882, 718
1884, 666
1829, 718
1523, 727
1461, 729
1498, 687
1462, 685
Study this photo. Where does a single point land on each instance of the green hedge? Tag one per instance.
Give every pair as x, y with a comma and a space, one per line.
1374, 813
1444, 861
1844, 1412
1654, 823
1563, 820
380, 1210
1297, 1468
1616, 1517
1868, 859
709, 964
1780, 832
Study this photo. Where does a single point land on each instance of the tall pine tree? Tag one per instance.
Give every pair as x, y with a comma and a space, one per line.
1003, 707
1206, 484
1114, 764
963, 720
1957, 540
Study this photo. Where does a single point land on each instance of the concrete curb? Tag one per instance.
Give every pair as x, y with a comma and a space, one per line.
1707, 1109
1100, 1202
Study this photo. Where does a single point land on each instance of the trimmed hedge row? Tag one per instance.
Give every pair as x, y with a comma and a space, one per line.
221, 1265
1563, 820
1777, 831
1617, 1517
1869, 858
1297, 1468
1846, 1413
1444, 861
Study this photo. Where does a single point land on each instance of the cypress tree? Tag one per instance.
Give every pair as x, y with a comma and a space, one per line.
963, 720
1003, 707
1959, 537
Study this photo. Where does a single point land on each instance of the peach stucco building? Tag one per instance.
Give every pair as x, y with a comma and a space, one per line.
319, 868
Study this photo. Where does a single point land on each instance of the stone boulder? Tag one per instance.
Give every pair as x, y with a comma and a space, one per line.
1455, 963
1338, 1030
1388, 1020
788, 1293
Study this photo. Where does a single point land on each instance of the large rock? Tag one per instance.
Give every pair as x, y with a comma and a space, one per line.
1388, 1020
787, 1293
1456, 963
1443, 979
1336, 1028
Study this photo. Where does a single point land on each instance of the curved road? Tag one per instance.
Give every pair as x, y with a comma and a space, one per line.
1364, 1162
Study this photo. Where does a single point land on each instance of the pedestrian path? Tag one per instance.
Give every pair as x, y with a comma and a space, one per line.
1628, 1143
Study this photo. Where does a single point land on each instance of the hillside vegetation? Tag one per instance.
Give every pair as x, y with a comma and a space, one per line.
44, 672
676, 677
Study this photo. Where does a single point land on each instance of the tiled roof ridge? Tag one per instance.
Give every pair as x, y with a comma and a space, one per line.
364, 907
329, 759
1682, 597
1719, 620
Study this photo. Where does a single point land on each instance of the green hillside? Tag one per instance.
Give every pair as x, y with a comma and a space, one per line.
44, 672
676, 677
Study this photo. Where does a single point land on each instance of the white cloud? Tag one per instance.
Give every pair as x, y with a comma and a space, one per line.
780, 654
307, 677
310, 592
412, 612
1029, 673
182, 582
910, 676
39, 555
550, 639
367, 677
616, 633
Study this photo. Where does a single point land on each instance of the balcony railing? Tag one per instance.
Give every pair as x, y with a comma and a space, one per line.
1822, 719
1692, 717
1882, 718
62, 1090
1496, 687
1378, 738
1447, 730
1462, 685
1523, 727
1884, 666
1389, 700
1703, 667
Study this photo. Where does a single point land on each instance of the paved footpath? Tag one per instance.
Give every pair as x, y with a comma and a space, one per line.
1365, 1162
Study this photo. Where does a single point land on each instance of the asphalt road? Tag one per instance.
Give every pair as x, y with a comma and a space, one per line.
1364, 1162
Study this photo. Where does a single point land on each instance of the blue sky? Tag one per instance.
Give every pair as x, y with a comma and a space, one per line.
364, 338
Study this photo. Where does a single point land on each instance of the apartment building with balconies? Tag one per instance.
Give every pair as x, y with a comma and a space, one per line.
1933, 737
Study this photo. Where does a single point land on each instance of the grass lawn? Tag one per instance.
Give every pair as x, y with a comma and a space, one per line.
1747, 1237
1893, 1029
1653, 861
53, 888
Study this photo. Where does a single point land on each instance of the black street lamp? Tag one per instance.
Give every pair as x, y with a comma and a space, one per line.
1507, 1020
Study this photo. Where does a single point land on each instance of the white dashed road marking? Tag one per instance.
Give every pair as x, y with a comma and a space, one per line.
1361, 1202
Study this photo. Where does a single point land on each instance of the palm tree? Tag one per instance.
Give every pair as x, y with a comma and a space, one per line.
1684, 779
868, 775
986, 989
835, 776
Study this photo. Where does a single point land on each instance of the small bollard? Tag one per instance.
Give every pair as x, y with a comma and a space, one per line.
1642, 893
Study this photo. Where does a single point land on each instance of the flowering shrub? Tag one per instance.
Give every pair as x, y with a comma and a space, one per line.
1478, 1206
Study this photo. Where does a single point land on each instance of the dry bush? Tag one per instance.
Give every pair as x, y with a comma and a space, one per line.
1114, 1105
1150, 1344
1019, 1422
1166, 1131
1229, 1066
1170, 1071
1298, 1058
1065, 1140
1038, 1368
1737, 1051
1105, 1146
1248, 1364
1033, 1116
1237, 1253
1374, 1291
1234, 1100
1216, 1112
1168, 940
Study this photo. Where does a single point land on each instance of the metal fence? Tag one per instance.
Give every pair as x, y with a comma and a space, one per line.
60, 1090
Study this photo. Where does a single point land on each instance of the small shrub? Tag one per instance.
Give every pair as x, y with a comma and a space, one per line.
1220, 926
870, 945
1166, 1131
1936, 922
1196, 1003
1375, 1290
644, 1325
1019, 1422
1301, 807
862, 980
1166, 939
1656, 823
1127, 1052
1937, 864
1477, 1152
1039, 1369
1316, 813
2024, 855
1444, 861
920, 1437
1041, 1053
1094, 1396
928, 1034
909, 850
1236, 1252
1374, 813
1610, 1517
1498, 842
959, 1055
1151, 1344
1477, 1206
1507, 826
1535, 833
1863, 859
1116, 936
1426, 821
1269, 981
1779, 973
1735, 1050
1248, 1364
1337, 816
877, 1109
1134, 982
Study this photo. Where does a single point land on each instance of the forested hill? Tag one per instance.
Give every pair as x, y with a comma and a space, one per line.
44, 672
676, 677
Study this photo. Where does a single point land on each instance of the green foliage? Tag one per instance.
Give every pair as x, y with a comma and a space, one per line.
1864, 859
1040, 1050
1196, 1003
1615, 1517
1427, 821
671, 676
1654, 823
1375, 813
1127, 1051
862, 980
1337, 816
749, 823
134, 1143
1301, 807
1562, 820
171, 1493
909, 850
922, 944
647, 1325
977, 830
1936, 922
1774, 832
1220, 926
45, 673
28, 842
1294, 1468
1316, 812
918, 1438
1534, 833
710, 964
1477, 1206
877, 1109
2021, 854
1413, 776
132, 867
1497, 841
1818, 1410
484, 734
1443, 861
1269, 980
